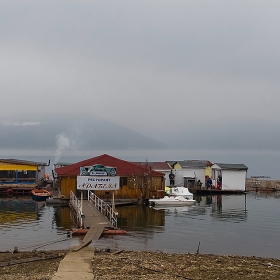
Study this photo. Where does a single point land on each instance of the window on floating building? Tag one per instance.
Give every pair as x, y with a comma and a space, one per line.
123, 181
7, 176
27, 176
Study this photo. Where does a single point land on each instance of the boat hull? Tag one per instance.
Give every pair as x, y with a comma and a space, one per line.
40, 195
171, 201
180, 191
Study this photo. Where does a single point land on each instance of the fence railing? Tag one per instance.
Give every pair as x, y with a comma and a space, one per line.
103, 208
77, 205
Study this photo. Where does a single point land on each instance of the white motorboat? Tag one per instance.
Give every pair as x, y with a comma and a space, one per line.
172, 201
180, 191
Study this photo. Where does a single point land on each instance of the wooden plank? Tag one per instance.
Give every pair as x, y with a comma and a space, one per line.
95, 221
92, 216
34, 259
117, 252
94, 233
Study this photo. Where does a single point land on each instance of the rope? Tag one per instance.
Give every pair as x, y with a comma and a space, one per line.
43, 245
51, 243
223, 185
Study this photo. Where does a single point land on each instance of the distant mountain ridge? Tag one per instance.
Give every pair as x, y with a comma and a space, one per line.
82, 132
79, 132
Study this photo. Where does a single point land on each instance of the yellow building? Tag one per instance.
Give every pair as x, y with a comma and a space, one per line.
16, 174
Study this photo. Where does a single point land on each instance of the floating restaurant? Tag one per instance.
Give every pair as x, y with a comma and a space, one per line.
136, 182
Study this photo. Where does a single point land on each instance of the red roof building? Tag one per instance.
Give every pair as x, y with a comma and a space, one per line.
135, 181
124, 168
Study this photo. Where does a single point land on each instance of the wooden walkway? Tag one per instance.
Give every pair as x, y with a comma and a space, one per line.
95, 221
76, 265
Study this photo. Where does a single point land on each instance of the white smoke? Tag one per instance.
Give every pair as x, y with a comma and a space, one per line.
62, 143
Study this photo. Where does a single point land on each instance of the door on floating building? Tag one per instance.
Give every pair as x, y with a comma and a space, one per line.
189, 182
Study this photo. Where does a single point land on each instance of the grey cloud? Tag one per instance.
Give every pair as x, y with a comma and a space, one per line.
159, 68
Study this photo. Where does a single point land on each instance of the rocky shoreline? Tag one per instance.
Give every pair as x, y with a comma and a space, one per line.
142, 265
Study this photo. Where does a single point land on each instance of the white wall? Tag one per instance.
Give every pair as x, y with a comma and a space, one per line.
233, 179
184, 172
166, 177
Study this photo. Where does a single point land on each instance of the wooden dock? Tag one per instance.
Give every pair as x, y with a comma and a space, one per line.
217, 192
95, 221
14, 190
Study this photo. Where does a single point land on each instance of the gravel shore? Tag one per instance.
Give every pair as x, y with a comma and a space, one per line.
142, 265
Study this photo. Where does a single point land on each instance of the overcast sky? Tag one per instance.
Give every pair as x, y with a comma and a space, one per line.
153, 66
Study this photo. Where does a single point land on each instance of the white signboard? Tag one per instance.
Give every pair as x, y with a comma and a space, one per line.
98, 170
104, 183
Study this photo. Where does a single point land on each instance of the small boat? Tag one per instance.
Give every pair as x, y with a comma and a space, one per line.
40, 195
180, 191
84, 231
172, 201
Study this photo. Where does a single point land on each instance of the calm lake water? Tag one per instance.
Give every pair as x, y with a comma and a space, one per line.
228, 225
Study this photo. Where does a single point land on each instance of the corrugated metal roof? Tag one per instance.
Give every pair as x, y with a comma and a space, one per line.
124, 168
25, 162
63, 163
195, 163
236, 166
159, 165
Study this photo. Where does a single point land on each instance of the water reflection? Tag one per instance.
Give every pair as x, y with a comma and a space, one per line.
220, 223
62, 218
173, 209
139, 216
226, 207
228, 224
266, 194
29, 225
15, 211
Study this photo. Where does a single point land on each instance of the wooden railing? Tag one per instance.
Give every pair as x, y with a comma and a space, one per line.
103, 208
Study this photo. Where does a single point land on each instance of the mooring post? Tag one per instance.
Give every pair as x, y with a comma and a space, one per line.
113, 201
82, 203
